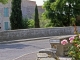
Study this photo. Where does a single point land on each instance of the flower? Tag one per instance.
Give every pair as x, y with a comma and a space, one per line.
64, 42
71, 39
74, 48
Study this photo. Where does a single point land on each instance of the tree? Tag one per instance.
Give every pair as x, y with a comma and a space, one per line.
36, 18
16, 15
25, 23
70, 8
49, 13
62, 10
3, 1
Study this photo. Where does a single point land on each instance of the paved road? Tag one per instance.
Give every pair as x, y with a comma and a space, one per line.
11, 51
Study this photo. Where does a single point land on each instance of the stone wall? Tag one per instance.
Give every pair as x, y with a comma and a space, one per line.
36, 32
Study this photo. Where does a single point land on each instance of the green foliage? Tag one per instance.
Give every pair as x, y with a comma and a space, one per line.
25, 23
60, 12
16, 15
74, 50
45, 23
28, 23
31, 23
69, 7
57, 4
72, 21
36, 18
78, 22
4, 1
74, 47
51, 14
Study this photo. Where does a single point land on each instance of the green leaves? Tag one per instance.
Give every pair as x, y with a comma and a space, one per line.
62, 12
16, 15
74, 50
58, 4
36, 18
4, 1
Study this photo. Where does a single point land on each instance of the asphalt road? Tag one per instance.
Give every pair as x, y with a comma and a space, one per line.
10, 51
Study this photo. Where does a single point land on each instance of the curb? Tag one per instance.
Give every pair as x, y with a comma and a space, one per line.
33, 39
23, 40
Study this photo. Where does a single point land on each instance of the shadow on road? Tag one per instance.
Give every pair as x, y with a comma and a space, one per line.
17, 46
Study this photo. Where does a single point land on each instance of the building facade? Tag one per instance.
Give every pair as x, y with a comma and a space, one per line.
27, 8
4, 16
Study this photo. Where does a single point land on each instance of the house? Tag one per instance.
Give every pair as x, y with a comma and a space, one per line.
40, 10
5, 10
4, 16
28, 10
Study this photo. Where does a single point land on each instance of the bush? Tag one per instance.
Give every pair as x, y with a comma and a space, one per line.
31, 23
45, 23
25, 23
28, 23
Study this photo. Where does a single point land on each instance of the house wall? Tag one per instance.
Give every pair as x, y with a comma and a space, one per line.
27, 8
40, 10
4, 19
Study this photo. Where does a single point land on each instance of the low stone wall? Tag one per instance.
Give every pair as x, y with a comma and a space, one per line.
36, 32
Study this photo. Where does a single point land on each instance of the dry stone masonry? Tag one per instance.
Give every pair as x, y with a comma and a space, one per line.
36, 32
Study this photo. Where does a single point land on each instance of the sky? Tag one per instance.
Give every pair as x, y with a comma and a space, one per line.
38, 2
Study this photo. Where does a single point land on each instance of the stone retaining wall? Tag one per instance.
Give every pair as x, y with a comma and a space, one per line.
36, 32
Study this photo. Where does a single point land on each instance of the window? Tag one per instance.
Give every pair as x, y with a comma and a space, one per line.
6, 12
6, 25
